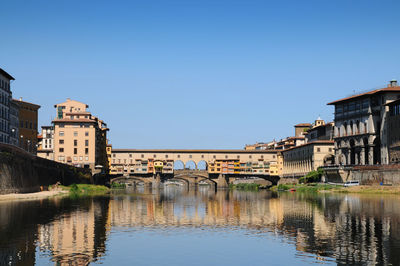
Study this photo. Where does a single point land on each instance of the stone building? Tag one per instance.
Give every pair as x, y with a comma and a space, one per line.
394, 131
14, 123
5, 100
300, 160
28, 125
361, 126
80, 139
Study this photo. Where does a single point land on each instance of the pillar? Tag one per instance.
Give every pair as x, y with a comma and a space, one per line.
362, 156
371, 155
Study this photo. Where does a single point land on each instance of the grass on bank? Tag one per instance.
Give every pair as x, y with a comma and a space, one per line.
245, 186
84, 189
310, 187
117, 185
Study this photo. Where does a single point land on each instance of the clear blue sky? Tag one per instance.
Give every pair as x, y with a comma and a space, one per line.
198, 74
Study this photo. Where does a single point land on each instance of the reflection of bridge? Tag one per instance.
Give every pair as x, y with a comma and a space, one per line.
220, 167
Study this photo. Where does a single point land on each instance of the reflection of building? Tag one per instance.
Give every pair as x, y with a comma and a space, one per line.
361, 126
76, 238
5, 99
79, 137
46, 143
28, 123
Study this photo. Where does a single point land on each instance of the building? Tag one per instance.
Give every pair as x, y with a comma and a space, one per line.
14, 123
301, 129
320, 131
361, 126
5, 101
80, 139
109, 151
28, 123
46, 143
394, 131
299, 161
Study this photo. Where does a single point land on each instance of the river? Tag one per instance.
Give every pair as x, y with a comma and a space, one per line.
174, 226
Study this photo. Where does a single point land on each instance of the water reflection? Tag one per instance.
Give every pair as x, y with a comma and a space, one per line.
347, 229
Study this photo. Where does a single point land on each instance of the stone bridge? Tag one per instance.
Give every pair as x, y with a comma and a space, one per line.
191, 178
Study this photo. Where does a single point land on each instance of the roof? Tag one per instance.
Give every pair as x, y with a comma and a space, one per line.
303, 125
69, 100
4, 73
190, 151
26, 103
369, 93
80, 120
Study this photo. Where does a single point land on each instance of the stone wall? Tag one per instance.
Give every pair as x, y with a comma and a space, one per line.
367, 175
22, 172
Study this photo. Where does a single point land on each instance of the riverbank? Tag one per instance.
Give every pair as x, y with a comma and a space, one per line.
59, 190
327, 188
33, 196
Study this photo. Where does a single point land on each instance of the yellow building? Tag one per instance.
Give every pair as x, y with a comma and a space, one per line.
79, 137
109, 151
28, 123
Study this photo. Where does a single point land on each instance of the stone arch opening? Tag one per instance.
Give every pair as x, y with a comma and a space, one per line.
366, 148
377, 151
190, 165
179, 165
178, 179
352, 152
202, 165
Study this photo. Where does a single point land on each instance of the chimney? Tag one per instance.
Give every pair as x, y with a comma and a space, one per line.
393, 83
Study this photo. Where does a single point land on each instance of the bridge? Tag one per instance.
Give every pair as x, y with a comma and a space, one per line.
215, 167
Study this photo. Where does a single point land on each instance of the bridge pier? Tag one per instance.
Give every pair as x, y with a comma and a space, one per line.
222, 181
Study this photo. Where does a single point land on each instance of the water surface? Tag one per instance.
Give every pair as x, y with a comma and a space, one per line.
174, 226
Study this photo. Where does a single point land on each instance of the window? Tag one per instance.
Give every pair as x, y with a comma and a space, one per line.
190, 156
75, 150
86, 158
130, 155
214, 156
154, 156
75, 158
86, 142
80, 158
61, 141
61, 126
61, 149
30, 125
61, 133
166, 155
75, 142
226, 156
238, 157
87, 151
87, 133
330, 149
21, 124
249, 156
318, 149
142, 155
179, 156
75, 133
113, 160
114, 155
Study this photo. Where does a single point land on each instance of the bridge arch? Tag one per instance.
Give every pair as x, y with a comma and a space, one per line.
183, 180
202, 165
208, 181
190, 165
179, 165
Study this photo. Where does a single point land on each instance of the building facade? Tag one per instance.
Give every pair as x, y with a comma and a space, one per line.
80, 139
46, 143
14, 123
28, 123
299, 161
394, 131
361, 126
5, 100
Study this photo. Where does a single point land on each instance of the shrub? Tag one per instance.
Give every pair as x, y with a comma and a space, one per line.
312, 177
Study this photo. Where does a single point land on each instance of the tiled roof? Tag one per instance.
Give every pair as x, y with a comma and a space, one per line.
387, 89
303, 125
4, 73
